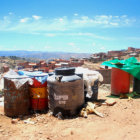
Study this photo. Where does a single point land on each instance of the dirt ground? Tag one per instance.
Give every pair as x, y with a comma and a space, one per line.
120, 122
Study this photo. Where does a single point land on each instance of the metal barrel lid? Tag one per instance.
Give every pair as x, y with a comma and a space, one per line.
65, 71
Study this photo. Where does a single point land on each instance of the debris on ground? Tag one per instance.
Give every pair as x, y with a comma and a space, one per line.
110, 102
28, 121
59, 115
15, 121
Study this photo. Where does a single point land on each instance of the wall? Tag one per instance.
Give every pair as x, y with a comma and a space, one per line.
106, 73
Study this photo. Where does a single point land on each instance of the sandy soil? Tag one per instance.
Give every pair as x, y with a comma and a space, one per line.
120, 122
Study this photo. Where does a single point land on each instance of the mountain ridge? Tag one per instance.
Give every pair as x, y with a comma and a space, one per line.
43, 55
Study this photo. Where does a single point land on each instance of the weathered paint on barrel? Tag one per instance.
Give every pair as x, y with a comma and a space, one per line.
38, 95
37, 84
16, 101
38, 92
39, 104
120, 81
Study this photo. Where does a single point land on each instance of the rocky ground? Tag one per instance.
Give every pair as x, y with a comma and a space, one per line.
120, 122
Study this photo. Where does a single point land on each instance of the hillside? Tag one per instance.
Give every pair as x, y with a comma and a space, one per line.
43, 55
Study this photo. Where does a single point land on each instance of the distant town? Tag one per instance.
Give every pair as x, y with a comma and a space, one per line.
50, 64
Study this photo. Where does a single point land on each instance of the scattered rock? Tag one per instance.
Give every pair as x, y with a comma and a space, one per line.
50, 114
71, 133
1, 130
110, 102
59, 115
14, 121
28, 121
40, 133
48, 138
26, 117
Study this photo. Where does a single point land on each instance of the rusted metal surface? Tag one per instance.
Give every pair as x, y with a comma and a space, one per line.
16, 101
38, 95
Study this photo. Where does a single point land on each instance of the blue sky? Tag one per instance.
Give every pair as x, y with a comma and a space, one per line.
87, 26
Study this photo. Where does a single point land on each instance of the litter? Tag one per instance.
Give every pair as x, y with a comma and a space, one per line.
28, 121
110, 102
14, 121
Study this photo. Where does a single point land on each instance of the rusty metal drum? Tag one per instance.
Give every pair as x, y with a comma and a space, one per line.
39, 95
16, 101
37, 90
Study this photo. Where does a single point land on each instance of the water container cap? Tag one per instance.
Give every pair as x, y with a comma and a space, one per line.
65, 71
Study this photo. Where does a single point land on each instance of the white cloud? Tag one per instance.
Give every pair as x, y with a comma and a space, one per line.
10, 13
74, 47
103, 21
71, 44
114, 24
36, 17
85, 17
133, 38
94, 36
93, 44
102, 48
38, 24
75, 14
61, 19
23, 20
50, 34
1, 47
87, 34
47, 47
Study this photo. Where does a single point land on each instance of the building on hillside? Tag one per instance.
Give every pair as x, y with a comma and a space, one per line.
131, 49
51, 64
75, 62
4, 68
31, 65
43, 69
42, 64
22, 65
115, 53
133, 55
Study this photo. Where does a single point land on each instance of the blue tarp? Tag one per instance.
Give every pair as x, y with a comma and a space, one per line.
39, 75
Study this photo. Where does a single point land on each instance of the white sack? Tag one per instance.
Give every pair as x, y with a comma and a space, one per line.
89, 76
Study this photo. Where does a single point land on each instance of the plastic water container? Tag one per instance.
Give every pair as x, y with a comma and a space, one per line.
120, 82
66, 91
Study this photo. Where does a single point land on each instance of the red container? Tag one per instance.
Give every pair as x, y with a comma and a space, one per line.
39, 104
37, 84
120, 82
